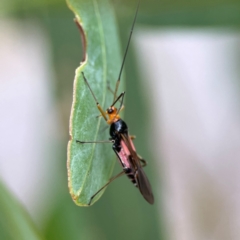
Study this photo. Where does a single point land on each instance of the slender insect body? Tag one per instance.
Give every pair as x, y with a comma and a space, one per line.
116, 129
123, 146
125, 160
130, 174
128, 158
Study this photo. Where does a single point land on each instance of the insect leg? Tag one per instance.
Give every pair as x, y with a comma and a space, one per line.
104, 141
111, 180
109, 88
143, 162
132, 137
98, 105
121, 96
118, 98
122, 108
98, 116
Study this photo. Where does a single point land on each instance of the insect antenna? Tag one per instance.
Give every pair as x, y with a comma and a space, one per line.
126, 51
120, 96
121, 104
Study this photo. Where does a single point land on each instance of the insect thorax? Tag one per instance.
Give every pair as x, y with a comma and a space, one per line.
117, 128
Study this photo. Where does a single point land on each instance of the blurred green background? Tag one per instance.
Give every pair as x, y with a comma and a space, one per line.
121, 213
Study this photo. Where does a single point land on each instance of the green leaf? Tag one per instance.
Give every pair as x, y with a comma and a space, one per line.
90, 165
14, 221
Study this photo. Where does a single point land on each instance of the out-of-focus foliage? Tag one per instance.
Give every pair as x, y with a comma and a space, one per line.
14, 221
187, 13
14, 6
152, 12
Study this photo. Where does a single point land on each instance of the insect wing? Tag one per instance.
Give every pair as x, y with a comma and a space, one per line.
144, 185
125, 155
141, 178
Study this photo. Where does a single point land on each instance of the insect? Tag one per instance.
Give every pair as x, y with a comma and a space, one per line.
122, 143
